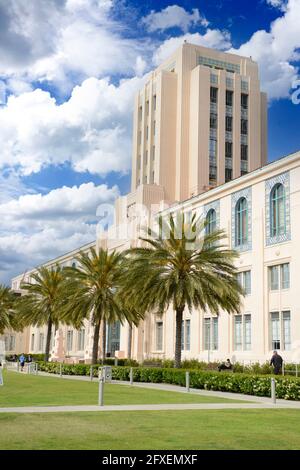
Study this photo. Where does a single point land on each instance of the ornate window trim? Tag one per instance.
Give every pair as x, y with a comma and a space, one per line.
216, 206
284, 179
247, 194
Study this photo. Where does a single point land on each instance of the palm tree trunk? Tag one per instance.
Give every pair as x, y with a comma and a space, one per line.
48, 340
179, 315
104, 342
129, 341
96, 343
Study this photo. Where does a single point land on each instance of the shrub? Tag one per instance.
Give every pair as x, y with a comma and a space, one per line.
287, 388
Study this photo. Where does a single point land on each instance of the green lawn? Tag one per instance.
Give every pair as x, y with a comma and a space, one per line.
29, 390
214, 429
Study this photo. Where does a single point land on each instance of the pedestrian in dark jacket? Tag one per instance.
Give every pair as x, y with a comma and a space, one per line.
276, 362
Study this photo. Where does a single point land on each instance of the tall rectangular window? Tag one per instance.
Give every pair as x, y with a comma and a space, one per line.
275, 330
285, 276
211, 333
207, 334
212, 148
32, 342
228, 124
213, 95
213, 121
41, 342
286, 327
244, 279
242, 332
279, 276
154, 102
229, 98
244, 126
69, 340
12, 343
247, 282
244, 101
182, 335
244, 152
274, 277
228, 149
159, 336
81, 340
215, 334
228, 174
187, 335
247, 332
238, 335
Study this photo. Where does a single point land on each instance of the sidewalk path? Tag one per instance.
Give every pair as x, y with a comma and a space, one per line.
171, 407
256, 402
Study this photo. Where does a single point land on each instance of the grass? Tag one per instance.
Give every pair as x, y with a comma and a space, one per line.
29, 390
221, 429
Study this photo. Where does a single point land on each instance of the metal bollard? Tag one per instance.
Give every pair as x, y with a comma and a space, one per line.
101, 389
187, 381
28, 368
36, 368
131, 376
18, 365
273, 391
116, 361
91, 373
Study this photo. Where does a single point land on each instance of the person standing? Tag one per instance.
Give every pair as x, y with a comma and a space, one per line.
22, 362
276, 362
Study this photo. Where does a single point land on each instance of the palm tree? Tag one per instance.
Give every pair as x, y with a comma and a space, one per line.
6, 306
93, 290
42, 302
182, 266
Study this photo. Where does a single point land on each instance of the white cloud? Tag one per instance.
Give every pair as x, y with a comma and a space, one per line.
173, 16
92, 130
212, 38
64, 41
35, 228
279, 4
275, 51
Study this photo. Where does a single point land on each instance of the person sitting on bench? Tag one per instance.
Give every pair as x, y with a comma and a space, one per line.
225, 365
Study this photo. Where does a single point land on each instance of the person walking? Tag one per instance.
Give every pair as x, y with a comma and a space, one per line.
276, 362
22, 362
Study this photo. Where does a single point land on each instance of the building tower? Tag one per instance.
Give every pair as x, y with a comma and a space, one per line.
199, 121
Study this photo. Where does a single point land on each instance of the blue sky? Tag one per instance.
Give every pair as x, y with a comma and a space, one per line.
69, 70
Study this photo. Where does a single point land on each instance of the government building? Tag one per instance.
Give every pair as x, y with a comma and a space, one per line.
200, 145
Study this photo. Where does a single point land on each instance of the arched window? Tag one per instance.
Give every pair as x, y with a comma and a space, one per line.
241, 222
278, 217
211, 221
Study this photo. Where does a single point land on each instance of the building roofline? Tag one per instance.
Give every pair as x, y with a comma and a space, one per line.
58, 258
215, 192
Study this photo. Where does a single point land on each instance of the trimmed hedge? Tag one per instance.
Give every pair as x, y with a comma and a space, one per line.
287, 388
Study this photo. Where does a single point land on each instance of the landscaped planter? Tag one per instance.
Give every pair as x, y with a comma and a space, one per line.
287, 388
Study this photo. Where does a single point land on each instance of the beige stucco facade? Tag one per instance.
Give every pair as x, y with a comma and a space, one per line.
170, 172
185, 136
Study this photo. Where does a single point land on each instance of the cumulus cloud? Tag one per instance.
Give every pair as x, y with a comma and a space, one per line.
37, 227
280, 4
173, 16
211, 38
275, 51
92, 130
64, 41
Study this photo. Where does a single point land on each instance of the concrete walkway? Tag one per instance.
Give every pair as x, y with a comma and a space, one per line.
166, 407
256, 402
